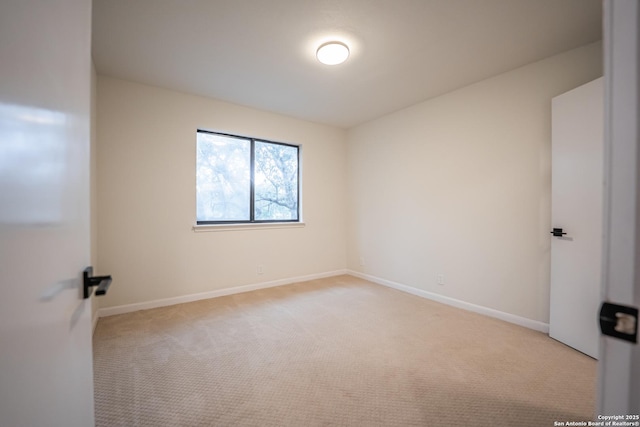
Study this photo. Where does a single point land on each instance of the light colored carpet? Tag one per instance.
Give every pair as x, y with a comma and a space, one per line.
333, 352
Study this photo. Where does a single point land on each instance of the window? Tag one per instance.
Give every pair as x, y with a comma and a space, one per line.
241, 179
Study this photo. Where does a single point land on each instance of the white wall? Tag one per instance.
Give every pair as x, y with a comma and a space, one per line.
460, 185
146, 197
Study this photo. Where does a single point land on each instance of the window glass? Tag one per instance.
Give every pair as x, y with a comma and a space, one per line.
223, 178
276, 181
241, 179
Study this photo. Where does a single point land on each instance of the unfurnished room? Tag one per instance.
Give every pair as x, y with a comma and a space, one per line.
319, 213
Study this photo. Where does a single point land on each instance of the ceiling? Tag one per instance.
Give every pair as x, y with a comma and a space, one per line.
261, 53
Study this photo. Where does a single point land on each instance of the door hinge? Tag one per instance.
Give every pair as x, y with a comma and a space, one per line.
619, 321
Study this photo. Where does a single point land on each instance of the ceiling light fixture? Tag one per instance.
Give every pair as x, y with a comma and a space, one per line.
332, 53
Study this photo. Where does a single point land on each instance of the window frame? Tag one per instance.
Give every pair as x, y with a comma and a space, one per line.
252, 219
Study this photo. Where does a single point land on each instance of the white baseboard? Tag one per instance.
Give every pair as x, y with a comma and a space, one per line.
507, 317
127, 308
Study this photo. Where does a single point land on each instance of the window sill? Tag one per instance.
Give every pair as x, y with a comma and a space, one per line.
250, 226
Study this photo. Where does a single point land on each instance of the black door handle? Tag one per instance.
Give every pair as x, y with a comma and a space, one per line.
557, 232
89, 280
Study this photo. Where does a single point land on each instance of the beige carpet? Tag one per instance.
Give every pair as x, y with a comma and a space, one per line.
332, 352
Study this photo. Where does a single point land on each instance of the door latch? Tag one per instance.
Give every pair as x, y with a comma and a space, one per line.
619, 321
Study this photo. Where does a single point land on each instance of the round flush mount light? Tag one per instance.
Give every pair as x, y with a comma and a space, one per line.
332, 53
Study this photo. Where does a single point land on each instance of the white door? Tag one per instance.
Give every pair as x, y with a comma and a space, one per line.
576, 181
619, 364
46, 376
